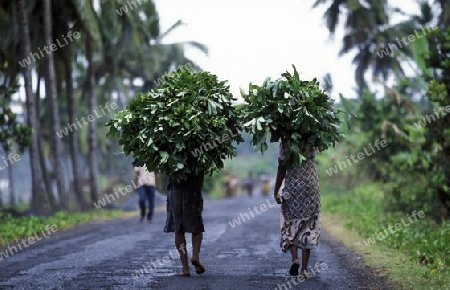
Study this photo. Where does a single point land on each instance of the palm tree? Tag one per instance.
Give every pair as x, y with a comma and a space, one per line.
39, 203
73, 139
51, 94
112, 49
86, 16
133, 49
368, 30
39, 132
444, 17
92, 135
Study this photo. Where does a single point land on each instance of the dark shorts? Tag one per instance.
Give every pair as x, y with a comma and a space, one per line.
184, 212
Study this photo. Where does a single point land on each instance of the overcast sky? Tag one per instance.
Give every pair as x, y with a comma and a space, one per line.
253, 39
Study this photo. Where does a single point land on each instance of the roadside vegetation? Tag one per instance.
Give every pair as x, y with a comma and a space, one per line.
14, 229
366, 189
354, 216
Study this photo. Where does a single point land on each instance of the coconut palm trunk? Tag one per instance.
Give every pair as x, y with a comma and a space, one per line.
1, 200
47, 182
93, 164
50, 88
39, 204
12, 198
74, 136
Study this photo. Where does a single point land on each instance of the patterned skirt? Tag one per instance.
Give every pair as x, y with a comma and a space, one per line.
300, 220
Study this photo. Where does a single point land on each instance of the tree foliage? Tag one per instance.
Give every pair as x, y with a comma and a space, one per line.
12, 132
297, 113
186, 126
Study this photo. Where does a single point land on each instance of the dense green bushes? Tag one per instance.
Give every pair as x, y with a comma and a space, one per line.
410, 174
363, 209
414, 118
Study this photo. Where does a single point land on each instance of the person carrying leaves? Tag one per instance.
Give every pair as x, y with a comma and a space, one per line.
184, 129
300, 209
300, 116
184, 215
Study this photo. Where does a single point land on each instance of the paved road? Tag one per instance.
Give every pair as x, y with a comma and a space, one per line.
108, 255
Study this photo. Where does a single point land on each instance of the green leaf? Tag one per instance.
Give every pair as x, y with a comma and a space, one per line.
292, 110
188, 110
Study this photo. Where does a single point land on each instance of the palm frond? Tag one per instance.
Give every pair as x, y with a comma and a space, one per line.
89, 20
168, 31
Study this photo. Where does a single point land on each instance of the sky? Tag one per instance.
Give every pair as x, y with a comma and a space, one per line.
254, 39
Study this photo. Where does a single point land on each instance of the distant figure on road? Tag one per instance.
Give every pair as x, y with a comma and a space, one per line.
300, 209
147, 182
227, 184
265, 186
249, 183
234, 186
184, 215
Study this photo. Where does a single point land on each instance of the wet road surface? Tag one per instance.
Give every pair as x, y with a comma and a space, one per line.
124, 254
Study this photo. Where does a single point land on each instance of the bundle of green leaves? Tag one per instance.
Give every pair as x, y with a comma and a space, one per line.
297, 113
186, 126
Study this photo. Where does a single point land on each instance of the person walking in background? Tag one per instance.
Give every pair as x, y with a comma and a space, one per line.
249, 183
227, 183
265, 185
300, 209
147, 182
184, 215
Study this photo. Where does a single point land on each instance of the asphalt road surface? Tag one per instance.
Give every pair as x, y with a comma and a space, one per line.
124, 254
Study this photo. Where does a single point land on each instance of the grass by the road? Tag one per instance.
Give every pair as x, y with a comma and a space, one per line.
15, 229
414, 255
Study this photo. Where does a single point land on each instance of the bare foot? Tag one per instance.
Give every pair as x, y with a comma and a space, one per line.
199, 269
293, 271
305, 274
183, 274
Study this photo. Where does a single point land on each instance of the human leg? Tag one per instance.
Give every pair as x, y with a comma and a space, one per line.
197, 233
151, 202
305, 259
293, 271
197, 239
196, 245
142, 200
294, 252
180, 243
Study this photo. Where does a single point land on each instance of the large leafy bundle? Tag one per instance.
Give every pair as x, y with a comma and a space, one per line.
297, 113
187, 125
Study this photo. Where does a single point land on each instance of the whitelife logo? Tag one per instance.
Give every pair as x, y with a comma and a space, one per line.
90, 118
392, 229
243, 217
404, 41
124, 9
10, 160
360, 156
438, 113
31, 240
53, 47
205, 147
108, 198
187, 66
